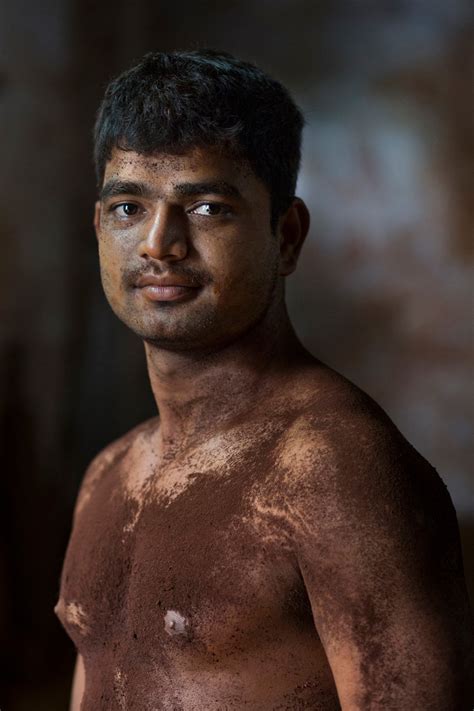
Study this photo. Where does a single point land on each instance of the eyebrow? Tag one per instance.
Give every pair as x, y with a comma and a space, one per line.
120, 187
217, 187
116, 187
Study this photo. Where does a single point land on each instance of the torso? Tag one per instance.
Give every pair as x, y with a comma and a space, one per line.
181, 587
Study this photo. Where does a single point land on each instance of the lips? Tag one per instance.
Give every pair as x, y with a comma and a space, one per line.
165, 288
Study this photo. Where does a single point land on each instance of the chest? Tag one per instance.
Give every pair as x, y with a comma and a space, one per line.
195, 563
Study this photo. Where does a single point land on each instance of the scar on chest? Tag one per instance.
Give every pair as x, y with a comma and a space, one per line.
176, 624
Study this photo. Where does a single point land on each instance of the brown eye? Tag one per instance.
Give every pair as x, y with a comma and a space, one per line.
126, 209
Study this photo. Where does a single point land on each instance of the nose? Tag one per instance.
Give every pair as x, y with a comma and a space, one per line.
165, 236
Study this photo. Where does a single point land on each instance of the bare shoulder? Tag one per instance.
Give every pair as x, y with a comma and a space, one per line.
353, 483
108, 458
344, 460
375, 534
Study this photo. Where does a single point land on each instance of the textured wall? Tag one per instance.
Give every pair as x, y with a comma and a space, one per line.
382, 292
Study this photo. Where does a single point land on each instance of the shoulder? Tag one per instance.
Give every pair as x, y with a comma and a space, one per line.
106, 461
375, 535
359, 497
335, 418
343, 459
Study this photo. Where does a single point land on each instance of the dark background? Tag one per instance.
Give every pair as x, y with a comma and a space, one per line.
382, 293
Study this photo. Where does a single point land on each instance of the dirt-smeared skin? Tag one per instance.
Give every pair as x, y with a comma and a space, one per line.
195, 582
270, 541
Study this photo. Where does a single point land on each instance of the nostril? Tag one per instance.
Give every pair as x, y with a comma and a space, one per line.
164, 247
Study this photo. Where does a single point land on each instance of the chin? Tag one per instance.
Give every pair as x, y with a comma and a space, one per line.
194, 328
174, 333
180, 342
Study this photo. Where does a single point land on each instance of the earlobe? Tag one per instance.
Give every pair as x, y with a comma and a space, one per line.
293, 228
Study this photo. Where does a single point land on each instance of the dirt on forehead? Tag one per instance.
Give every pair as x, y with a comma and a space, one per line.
192, 160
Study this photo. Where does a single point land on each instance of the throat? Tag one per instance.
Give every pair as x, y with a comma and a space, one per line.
201, 395
188, 419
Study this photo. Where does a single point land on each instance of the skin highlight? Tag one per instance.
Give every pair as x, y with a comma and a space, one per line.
269, 540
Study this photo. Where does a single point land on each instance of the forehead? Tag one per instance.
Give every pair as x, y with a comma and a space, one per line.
196, 165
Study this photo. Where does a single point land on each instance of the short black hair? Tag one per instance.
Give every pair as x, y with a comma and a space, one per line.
176, 101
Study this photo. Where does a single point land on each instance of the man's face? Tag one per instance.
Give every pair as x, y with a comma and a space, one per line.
187, 256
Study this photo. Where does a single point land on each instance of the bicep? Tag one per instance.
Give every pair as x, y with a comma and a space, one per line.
386, 587
392, 640
78, 685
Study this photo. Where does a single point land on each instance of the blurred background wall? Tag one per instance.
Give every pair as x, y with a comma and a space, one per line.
382, 292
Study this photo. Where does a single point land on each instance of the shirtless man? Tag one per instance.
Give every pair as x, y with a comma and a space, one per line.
270, 540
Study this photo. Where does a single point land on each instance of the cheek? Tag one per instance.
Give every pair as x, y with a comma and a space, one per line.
110, 254
111, 260
242, 269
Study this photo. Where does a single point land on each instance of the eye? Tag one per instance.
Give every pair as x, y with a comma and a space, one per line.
210, 209
125, 209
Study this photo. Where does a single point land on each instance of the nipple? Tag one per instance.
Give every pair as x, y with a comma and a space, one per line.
175, 624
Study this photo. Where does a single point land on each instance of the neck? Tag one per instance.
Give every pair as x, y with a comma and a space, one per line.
200, 394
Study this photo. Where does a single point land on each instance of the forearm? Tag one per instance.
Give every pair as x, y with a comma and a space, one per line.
78, 685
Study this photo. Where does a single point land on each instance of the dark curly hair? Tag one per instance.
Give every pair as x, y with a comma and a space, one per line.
172, 102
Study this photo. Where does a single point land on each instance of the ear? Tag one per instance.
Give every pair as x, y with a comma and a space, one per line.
97, 218
292, 229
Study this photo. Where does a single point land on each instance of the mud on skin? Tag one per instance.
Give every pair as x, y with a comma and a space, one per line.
186, 582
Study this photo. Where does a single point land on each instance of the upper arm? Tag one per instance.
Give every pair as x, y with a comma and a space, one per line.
378, 548
78, 685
